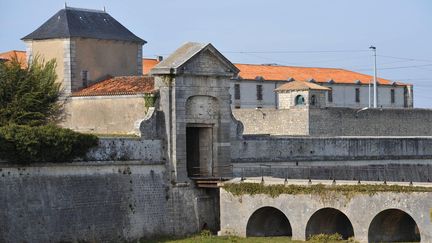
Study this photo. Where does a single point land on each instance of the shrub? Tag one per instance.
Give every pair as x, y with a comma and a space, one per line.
324, 238
30, 95
26, 144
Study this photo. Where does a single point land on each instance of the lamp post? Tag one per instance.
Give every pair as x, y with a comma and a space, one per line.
375, 103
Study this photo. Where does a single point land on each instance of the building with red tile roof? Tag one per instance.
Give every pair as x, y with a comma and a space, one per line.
122, 85
20, 55
255, 84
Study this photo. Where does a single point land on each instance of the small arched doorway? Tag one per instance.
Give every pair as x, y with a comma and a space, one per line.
329, 221
393, 225
268, 221
299, 100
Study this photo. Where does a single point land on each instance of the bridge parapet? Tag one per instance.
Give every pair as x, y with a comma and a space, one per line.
370, 212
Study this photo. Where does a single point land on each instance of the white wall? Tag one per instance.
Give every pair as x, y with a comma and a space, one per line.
248, 94
343, 95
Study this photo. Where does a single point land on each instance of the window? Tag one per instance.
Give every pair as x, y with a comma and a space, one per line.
237, 106
313, 100
357, 95
299, 100
84, 77
259, 92
392, 96
330, 95
237, 91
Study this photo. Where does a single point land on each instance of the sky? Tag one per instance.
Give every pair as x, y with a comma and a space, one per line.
313, 33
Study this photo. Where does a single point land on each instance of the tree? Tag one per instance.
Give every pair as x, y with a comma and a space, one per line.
29, 95
29, 107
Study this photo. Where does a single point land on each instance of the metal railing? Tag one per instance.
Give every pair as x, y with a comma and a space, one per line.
384, 173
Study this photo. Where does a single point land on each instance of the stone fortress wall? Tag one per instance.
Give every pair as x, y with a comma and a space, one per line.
332, 121
120, 192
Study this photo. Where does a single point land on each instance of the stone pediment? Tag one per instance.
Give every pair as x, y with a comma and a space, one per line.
196, 59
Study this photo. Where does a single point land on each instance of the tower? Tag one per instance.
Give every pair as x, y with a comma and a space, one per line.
88, 45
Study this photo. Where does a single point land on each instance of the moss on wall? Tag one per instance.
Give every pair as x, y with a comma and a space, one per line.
239, 189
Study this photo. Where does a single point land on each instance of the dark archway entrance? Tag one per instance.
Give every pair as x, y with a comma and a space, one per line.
393, 225
268, 221
329, 221
199, 151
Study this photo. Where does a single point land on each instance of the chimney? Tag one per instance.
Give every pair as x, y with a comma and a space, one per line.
159, 58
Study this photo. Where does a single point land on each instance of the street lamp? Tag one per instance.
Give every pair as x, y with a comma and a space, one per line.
375, 105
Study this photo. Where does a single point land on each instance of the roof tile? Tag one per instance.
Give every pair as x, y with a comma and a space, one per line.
319, 75
300, 85
122, 85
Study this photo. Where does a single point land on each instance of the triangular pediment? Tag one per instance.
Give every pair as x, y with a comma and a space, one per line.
196, 59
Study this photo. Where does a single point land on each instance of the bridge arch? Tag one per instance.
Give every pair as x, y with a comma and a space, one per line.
393, 225
329, 221
268, 221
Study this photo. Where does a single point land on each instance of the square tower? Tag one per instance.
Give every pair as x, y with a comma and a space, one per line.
88, 46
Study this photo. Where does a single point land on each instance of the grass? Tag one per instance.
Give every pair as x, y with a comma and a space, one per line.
239, 189
234, 239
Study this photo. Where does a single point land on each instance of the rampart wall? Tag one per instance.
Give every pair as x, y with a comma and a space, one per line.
336, 122
121, 192
361, 158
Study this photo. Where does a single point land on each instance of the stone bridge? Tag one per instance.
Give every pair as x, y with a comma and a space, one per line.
366, 217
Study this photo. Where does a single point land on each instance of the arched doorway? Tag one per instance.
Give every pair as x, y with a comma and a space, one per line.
393, 225
268, 221
329, 221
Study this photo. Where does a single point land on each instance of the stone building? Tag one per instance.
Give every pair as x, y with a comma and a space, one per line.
88, 45
255, 84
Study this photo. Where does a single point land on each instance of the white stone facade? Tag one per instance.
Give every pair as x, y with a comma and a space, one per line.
344, 95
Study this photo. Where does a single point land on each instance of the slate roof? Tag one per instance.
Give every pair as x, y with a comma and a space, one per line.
319, 75
300, 85
75, 22
121, 85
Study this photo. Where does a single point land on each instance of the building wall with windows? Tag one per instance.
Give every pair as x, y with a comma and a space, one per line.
249, 96
342, 95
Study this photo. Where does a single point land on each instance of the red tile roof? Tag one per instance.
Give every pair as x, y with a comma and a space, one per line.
122, 85
319, 75
21, 56
300, 85
148, 64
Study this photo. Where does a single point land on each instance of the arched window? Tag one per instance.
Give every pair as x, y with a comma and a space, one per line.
299, 100
313, 100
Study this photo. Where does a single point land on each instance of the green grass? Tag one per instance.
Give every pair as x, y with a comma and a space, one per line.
233, 239
239, 189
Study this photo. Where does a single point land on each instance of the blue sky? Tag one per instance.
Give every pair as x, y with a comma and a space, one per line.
333, 33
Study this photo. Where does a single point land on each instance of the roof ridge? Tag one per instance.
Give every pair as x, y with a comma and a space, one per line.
261, 65
85, 9
67, 22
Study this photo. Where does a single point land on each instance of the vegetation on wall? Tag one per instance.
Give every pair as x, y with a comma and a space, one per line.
29, 109
239, 189
150, 100
49, 143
